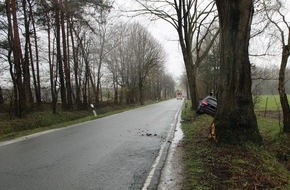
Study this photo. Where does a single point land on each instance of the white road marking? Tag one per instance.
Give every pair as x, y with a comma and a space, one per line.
154, 166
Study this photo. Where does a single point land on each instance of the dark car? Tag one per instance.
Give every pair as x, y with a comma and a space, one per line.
208, 105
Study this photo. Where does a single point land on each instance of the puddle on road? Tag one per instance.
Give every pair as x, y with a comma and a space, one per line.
172, 172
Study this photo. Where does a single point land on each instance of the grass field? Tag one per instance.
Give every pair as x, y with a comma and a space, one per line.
268, 102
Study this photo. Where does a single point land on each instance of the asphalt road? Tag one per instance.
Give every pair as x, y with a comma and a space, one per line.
118, 152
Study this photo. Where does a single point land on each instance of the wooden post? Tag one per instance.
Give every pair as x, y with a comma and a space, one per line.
265, 112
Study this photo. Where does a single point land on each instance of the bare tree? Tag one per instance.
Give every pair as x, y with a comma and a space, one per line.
115, 59
189, 18
274, 10
134, 61
35, 71
27, 58
100, 48
235, 119
19, 90
147, 55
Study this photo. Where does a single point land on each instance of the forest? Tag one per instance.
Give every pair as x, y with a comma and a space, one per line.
73, 54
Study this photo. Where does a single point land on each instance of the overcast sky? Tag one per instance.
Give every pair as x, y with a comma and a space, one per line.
167, 36
164, 33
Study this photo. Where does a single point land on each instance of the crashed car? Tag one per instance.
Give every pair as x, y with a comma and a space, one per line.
208, 105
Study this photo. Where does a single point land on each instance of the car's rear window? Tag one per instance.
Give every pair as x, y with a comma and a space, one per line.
211, 101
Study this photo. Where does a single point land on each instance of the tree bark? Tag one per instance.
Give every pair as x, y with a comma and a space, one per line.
281, 88
75, 68
116, 89
66, 65
235, 119
141, 92
99, 75
185, 38
37, 77
1, 100
53, 78
59, 55
26, 62
9, 56
20, 98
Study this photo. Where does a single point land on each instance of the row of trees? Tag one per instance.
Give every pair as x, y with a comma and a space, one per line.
82, 49
195, 23
75, 49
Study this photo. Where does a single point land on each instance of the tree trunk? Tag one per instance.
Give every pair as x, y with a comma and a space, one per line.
86, 86
98, 86
97, 91
185, 39
75, 68
66, 65
37, 77
59, 56
20, 98
191, 78
26, 62
116, 89
141, 93
1, 100
281, 88
51, 71
9, 56
122, 95
235, 119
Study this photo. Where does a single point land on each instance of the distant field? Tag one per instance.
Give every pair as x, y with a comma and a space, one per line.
269, 102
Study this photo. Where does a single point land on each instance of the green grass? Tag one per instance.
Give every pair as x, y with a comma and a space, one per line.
194, 151
40, 121
269, 127
212, 166
269, 102
44, 120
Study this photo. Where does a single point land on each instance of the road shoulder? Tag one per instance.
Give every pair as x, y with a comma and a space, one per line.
172, 172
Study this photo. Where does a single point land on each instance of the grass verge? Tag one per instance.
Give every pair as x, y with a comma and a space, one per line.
209, 166
41, 121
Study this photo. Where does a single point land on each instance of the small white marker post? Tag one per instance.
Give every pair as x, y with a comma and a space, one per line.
94, 111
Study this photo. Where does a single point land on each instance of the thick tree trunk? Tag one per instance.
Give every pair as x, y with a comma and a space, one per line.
185, 39
235, 120
281, 89
191, 77
190, 69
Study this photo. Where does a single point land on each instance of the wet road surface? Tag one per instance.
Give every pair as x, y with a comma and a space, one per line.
112, 153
